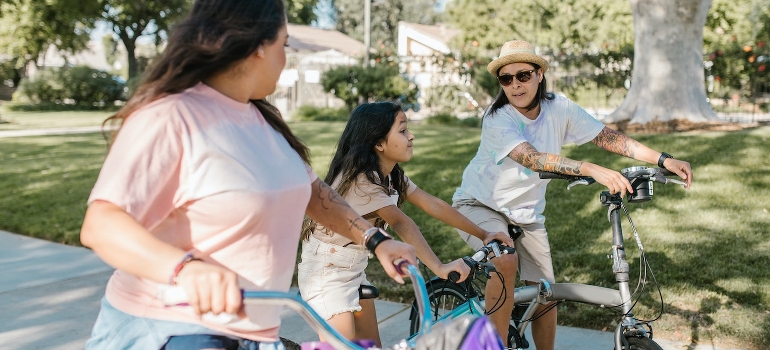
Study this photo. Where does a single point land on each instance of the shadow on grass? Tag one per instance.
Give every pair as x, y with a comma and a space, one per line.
45, 183
712, 266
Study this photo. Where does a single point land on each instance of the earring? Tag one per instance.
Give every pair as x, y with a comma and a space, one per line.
261, 52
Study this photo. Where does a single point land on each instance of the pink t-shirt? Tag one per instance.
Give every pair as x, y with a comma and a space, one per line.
207, 173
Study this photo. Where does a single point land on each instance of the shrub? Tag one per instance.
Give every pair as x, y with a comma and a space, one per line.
312, 113
80, 86
448, 119
356, 84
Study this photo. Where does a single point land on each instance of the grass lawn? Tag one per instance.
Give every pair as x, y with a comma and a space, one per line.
13, 120
709, 246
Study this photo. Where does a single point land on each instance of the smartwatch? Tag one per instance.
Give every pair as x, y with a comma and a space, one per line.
663, 156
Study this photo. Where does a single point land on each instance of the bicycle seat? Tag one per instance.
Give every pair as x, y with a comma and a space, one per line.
368, 292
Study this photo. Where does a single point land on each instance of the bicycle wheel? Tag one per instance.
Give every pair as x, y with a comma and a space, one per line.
642, 343
444, 296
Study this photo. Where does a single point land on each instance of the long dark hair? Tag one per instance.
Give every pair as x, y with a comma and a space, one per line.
215, 36
502, 100
367, 126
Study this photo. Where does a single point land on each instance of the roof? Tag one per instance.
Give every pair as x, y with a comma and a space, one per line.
310, 39
436, 37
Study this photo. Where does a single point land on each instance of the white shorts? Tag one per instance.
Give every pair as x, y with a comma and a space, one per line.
532, 246
329, 276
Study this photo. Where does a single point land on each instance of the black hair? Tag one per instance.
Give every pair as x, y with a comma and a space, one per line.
368, 125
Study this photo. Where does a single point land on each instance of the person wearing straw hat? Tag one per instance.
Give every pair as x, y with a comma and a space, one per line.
523, 132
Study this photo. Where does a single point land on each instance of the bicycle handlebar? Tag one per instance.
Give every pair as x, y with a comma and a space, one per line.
632, 174
494, 248
176, 296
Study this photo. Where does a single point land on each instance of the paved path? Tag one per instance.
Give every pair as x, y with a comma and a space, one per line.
50, 293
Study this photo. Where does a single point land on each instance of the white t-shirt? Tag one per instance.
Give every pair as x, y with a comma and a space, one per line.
502, 184
206, 173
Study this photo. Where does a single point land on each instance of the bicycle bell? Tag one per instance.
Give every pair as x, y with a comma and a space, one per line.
642, 187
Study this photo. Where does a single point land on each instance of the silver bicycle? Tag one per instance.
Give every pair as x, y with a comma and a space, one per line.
449, 300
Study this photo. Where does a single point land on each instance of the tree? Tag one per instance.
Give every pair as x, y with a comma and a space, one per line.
349, 16
357, 84
130, 19
301, 11
29, 27
735, 46
668, 79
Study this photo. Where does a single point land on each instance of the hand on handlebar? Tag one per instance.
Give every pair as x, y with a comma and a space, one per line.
454, 268
681, 168
503, 237
392, 250
211, 288
614, 180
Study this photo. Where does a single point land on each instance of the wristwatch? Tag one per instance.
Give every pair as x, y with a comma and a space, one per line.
663, 156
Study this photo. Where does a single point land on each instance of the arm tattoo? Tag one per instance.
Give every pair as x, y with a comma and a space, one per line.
356, 223
615, 142
327, 196
526, 155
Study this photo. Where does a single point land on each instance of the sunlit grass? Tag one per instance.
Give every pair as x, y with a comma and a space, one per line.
709, 246
43, 120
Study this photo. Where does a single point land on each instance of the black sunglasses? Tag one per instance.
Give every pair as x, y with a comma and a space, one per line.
522, 76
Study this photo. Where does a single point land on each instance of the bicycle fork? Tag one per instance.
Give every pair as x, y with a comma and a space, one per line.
621, 270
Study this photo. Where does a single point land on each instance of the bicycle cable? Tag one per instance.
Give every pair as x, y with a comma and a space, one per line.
503, 295
644, 268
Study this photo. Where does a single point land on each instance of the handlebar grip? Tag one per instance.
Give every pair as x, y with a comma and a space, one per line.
666, 172
508, 250
172, 296
401, 265
454, 276
549, 175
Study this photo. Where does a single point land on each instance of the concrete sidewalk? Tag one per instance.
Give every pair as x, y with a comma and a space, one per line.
50, 294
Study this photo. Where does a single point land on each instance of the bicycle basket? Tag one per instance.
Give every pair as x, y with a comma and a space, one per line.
466, 332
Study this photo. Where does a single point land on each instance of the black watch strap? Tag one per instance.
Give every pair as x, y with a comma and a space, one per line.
663, 156
375, 239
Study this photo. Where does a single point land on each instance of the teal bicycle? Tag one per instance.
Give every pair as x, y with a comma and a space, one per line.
449, 300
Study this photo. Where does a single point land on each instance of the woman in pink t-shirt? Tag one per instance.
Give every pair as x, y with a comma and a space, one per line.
365, 171
206, 187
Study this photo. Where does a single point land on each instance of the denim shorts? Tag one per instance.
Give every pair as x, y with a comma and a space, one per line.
115, 329
329, 276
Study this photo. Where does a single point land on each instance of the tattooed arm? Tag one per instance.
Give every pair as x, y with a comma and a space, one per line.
529, 157
623, 145
526, 155
615, 142
328, 208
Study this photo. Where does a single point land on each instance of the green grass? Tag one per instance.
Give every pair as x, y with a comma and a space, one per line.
709, 246
13, 120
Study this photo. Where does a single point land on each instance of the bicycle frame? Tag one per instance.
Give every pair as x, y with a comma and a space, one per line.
175, 295
620, 299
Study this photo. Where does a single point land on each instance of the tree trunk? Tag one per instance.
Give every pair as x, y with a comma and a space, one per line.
668, 79
130, 44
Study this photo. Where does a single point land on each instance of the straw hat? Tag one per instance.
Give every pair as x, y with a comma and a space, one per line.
516, 51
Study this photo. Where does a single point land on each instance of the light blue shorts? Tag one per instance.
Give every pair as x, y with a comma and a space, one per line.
115, 329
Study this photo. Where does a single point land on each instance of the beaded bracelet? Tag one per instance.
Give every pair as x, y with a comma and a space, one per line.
185, 259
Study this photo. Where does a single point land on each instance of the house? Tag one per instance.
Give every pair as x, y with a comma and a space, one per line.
310, 52
421, 50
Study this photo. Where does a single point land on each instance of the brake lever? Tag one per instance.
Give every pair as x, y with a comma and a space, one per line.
675, 181
584, 182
